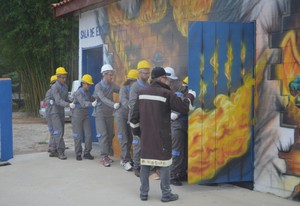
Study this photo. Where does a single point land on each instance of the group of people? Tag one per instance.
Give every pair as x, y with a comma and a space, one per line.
150, 116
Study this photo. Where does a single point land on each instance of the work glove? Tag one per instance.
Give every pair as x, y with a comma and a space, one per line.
51, 102
191, 107
72, 105
174, 116
94, 103
116, 106
192, 92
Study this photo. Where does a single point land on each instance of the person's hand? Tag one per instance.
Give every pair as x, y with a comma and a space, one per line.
72, 105
116, 106
94, 103
191, 108
192, 92
174, 116
51, 102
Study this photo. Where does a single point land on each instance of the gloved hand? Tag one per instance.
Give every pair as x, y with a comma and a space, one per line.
51, 102
174, 116
192, 92
191, 107
72, 105
116, 106
94, 103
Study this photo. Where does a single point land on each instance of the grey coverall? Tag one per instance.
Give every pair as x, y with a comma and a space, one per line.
57, 114
51, 144
81, 121
133, 94
179, 144
103, 114
124, 130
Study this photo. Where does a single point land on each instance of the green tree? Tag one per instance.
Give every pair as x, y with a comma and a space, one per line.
34, 43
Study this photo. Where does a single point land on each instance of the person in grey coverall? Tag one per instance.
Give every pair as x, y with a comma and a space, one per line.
80, 118
179, 129
103, 113
124, 131
59, 91
49, 102
143, 68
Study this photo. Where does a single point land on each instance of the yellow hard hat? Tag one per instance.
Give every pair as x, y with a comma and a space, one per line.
87, 79
143, 64
61, 70
133, 74
53, 78
185, 81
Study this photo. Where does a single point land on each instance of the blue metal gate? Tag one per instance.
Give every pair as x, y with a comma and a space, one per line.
221, 70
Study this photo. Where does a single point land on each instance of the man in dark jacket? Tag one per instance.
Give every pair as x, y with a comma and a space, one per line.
151, 121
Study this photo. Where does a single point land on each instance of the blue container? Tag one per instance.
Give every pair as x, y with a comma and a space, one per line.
6, 143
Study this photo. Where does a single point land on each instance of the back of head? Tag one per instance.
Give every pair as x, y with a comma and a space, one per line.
53, 78
158, 72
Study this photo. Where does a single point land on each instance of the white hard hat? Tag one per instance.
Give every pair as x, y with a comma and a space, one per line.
170, 71
106, 67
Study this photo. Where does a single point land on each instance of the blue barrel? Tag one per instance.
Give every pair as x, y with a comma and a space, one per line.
6, 143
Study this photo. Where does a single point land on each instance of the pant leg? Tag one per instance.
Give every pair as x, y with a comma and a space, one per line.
58, 132
144, 178
51, 143
102, 136
77, 125
178, 147
129, 143
87, 134
136, 151
124, 138
62, 141
110, 134
165, 181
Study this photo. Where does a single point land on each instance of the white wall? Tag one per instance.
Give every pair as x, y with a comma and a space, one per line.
89, 34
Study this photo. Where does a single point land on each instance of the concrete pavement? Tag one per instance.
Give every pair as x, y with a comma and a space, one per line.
35, 179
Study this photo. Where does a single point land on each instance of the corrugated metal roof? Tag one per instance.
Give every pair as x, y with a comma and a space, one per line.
67, 7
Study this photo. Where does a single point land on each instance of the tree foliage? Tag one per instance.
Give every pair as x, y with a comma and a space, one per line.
34, 44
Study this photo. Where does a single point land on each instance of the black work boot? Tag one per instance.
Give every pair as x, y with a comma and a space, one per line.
137, 171
88, 156
53, 154
144, 197
170, 197
62, 156
176, 182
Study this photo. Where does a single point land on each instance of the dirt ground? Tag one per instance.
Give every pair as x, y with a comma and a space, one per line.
30, 134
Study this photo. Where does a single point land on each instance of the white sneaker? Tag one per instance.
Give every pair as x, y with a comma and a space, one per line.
122, 163
127, 166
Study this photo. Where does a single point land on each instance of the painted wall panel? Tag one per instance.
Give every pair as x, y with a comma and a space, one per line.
226, 139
